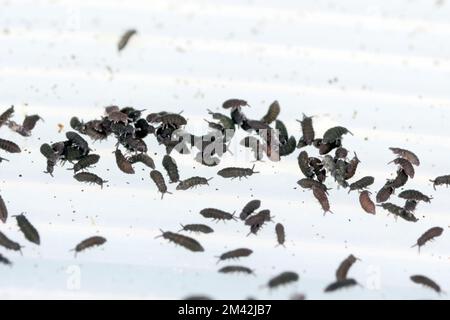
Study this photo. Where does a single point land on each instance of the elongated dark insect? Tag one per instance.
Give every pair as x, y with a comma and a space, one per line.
9, 146
259, 219
235, 254
272, 113
3, 210
325, 148
234, 103
30, 122
399, 212
408, 155
400, 180
308, 183
125, 38
192, 183
288, 147
322, 197
410, 205
249, 208
346, 283
216, 214
405, 165
233, 172
8, 243
122, 162
281, 235
118, 116
89, 178
5, 260
158, 179
5, 116
334, 134
198, 228
283, 135
224, 120
77, 140
85, 162
28, 230
414, 195
236, 269
362, 183
366, 203
427, 282
344, 267
385, 193
429, 235
282, 279
143, 158
182, 240
173, 119
89, 243
307, 130
351, 167
171, 167
441, 180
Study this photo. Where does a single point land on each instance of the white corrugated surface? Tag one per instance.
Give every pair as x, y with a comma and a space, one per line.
391, 62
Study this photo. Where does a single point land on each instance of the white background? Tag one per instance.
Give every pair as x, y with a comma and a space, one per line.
379, 68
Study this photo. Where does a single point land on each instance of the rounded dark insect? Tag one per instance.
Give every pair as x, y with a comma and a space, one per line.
304, 164
281, 235
283, 135
4, 260
307, 129
322, 197
181, 240
171, 167
408, 155
236, 269
9, 146
351, 167
308, 183
341, 153
118, 116
429, 235
410, 205
197, 228
400, 180
283, 278
233, 172
89, 178
362, 183
235, 254
440, 181
249, 208
122, 162
273, 113
399, 212
158, 179
427, 282
3, 210
414, 195
135, 145
346, 283
385, 193
234, 103
89, 243
6, 115
217, 214
366, 203
125, 38
301, 143
28, 230
288, 148
85, 162
143, 158
325, 148
334, 134
30, 122
76, 124
344, 267
77, 140
8, 243
259, 218
192, 182
405, 165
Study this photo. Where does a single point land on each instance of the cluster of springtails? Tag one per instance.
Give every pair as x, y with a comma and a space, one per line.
267, 137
